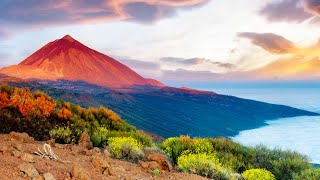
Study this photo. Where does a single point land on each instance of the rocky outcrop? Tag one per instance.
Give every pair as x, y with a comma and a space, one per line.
29, 170
84, 141
23, 137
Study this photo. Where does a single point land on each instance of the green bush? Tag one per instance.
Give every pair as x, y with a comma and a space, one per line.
100, 135
309, 174
283, 164
201, 164
232, 155
258, 174
125, 148
174, 147
156, 172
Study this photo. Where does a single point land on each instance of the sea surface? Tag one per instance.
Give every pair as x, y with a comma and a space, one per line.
299, 133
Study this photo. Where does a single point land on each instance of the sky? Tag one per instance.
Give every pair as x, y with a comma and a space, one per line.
170, 40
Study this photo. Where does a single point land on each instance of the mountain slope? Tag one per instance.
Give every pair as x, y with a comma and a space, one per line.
68, 59
172, 111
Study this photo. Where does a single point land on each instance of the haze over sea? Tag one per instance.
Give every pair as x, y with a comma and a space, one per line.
299, 133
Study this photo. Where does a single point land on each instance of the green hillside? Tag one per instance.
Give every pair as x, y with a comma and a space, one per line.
163, 111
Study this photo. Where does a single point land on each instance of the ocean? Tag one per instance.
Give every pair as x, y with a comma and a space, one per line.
301, 134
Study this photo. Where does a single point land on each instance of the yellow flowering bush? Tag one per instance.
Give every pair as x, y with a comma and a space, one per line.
125, 148
261, 174
202, 164
175, 147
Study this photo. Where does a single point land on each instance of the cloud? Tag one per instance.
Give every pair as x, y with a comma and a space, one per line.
138, 64
66, 12
144, 68
271, 42
4, 34
4, 59
285, 10
292, 11
188, 75
312, 6
195, 61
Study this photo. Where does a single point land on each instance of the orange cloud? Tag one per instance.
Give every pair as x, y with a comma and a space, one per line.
271, 42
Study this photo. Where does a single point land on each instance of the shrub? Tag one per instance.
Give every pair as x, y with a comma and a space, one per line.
156, 172
174, 147
283, 164
310, 174
225, 174
100, 135
258, 174
125, 148
65, 135
232, 155
201, 164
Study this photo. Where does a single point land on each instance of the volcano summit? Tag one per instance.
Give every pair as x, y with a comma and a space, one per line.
68, 59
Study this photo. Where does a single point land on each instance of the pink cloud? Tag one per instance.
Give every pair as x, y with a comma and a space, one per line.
62, 12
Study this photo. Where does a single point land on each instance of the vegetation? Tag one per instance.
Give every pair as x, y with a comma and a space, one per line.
174, 147
156, 172
202, 164
261, 174
42, 117
307, 174
125, 148
234, 158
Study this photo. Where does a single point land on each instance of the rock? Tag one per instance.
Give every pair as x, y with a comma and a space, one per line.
59, 146
51, 142
48, 176
96, 150
18, 147
114, 171
29, 170
100, 163
23, 137
16, 153
85, 141
106, 152
149, 165
163, 162
5, 150
27, 158
68, 174
74, 149
86, 152
79, 173
38, 178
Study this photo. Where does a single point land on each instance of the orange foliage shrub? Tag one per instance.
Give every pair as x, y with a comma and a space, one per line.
23, 100
4, 100
44, 106
64, 113
27, 103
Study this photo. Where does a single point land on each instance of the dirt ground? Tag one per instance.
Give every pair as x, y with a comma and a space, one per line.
18, 161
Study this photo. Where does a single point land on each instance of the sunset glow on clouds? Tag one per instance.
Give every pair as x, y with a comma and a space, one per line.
164, 39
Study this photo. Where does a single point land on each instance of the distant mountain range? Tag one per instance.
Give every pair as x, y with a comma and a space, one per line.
69, 70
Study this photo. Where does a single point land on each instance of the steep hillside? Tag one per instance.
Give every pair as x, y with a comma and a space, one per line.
172, 111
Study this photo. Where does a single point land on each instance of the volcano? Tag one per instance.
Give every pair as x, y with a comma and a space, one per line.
68, 59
